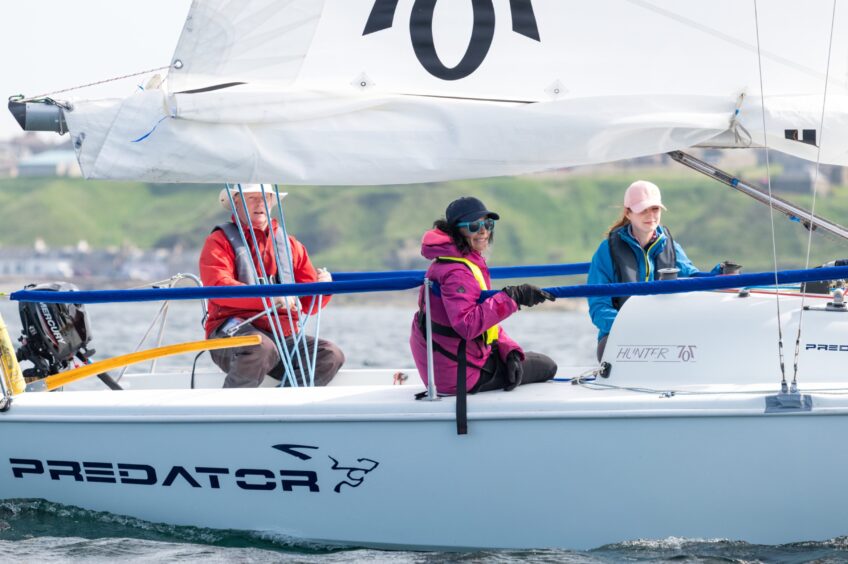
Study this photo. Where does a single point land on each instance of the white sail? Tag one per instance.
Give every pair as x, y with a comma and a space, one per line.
397, 91
244, 41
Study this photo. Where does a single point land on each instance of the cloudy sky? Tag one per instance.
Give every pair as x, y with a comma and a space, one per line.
50, 45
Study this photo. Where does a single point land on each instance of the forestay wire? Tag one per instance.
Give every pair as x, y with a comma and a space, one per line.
81, 86
783, 386
794, 386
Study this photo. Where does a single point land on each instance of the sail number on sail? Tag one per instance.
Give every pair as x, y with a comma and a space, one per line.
482, 32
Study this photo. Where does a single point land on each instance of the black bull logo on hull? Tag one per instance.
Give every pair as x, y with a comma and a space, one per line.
483, 31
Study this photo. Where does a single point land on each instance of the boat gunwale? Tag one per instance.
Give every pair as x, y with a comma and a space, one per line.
357, 406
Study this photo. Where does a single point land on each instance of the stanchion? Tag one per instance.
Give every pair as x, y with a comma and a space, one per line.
431, 381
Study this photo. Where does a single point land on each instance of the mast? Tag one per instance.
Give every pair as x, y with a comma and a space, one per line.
790, 210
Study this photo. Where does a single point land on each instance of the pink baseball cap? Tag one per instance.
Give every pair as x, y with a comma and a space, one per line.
642, 195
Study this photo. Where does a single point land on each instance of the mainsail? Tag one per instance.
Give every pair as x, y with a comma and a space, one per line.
402, 91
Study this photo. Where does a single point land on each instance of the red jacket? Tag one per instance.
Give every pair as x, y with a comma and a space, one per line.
218, 268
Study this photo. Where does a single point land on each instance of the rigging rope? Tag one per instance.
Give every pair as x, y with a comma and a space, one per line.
303, 317
736, 126
47, 94
270, 310
297, 336
794, 386
783, 386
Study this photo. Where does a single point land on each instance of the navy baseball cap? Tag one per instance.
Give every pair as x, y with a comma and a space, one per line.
467, 208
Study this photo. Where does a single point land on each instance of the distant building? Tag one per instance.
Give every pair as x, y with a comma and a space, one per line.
56, 162
23, 265
32, 142
838, 175
8, 160
801, 180
798, 175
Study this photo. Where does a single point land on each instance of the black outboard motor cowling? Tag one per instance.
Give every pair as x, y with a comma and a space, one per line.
53, 334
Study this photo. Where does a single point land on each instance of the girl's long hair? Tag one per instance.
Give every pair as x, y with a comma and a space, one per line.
621, 222
456, 235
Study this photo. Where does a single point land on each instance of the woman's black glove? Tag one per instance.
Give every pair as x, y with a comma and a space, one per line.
730, 267
514, 371
527, 294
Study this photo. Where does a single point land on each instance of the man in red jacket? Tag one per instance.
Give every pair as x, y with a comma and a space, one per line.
225, 261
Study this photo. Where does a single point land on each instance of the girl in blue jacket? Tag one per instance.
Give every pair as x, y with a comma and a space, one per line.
636, 247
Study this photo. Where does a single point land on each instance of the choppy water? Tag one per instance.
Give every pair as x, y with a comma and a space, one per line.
37, 531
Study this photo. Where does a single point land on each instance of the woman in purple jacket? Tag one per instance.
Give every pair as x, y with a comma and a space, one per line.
466, 335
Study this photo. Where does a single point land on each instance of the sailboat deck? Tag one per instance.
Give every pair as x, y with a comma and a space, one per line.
370, 402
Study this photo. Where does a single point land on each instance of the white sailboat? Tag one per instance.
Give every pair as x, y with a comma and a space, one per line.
688, 434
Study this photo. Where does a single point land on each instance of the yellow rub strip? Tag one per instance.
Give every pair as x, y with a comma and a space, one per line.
64, 378
12, 375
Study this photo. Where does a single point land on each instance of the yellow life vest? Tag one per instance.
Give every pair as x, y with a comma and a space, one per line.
491, 334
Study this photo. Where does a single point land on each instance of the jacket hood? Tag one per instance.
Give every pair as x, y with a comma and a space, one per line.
436, 243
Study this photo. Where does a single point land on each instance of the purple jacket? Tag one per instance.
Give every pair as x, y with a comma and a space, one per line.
457, 307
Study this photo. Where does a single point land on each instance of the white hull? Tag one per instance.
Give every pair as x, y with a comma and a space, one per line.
548, 465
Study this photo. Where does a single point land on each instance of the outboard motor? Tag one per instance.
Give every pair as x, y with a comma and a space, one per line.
53, 334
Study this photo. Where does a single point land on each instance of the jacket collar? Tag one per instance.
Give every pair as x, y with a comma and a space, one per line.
657, 242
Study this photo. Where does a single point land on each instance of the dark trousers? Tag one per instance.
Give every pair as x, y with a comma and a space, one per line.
246, 367
537, 368
602, 344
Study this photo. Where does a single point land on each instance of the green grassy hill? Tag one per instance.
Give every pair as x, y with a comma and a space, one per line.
544, 218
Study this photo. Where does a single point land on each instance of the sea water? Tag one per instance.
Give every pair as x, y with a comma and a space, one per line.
371, 336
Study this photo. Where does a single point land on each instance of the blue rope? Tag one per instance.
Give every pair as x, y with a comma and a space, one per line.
683, 285
247, 291
149, 133
765, 279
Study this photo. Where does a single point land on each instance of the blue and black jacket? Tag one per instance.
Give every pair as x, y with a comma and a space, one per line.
605, 271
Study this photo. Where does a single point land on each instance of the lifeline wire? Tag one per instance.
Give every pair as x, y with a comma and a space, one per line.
771, 204
162, 310
794, 386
